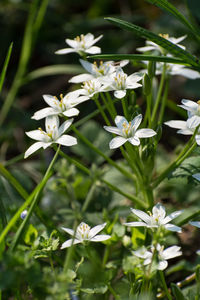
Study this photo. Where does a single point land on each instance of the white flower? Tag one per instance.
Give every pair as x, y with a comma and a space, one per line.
162, 255
185, 127
151, 46
195, 223
64, 106
165, 254
156, 219
127, 131
23, 214
120, 82
175, 69
53, 134
193, 110
85, 233
82, 44
144, 254
89, 88
95, 71
196, 176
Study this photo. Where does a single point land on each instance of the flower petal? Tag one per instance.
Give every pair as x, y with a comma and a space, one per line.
136, 122
172, 216
69, 243
162, 265
71, 112
119, 94
87, 65
65, 51
134, 141
120, 121
96, 229
196, 176
145, 133
43, 113
37, 135
51, 123
135, 224
117, 142
93, 50
112, 129
193, 122
33, 148
81, 78
100, 238
172, 227
195, 223
66, 140
176, 124
68, 230
65, 126
51, 101
142, 215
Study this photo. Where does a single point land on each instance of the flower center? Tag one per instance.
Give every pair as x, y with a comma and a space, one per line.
83, 229
120, 81
164, 35
81, 40
89, 86
127, 129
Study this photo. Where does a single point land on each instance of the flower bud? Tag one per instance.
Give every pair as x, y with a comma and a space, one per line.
23, 214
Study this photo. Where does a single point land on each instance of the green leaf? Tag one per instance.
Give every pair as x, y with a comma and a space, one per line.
167, 6
164, 43
30, 235
140, 57
176, 291
5, 66
189, 167
96, 290
53, 70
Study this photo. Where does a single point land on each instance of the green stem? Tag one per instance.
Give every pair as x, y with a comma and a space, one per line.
106, 255
117, 297
124, 106
33, 204
182, 156
70, 251
102, 111
111, 103
89, 197
149, 104
159, 95
164, 101
5, 66
165, 285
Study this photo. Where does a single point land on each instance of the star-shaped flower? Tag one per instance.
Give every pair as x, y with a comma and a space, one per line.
193, 110
65, 106
186, 127
119, 82
161, 254
82, 44
89, 88
151, 46
85, 233
97, 71
128, 131
53, 134
155, 219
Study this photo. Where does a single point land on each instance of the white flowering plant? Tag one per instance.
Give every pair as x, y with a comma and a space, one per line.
116, 213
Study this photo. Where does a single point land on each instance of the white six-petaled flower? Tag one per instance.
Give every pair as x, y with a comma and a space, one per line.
65, 106
85, 233
186, 127
89, 88
162, 255
100, 71
155, 219
82, 44
128, 131
151, 46
53, 134
119, 82
193, 110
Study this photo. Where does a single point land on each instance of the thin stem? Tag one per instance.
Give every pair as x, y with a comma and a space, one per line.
165, 285
124, 106
159, 95
116, 296
102, 111
164, 101
111, 103
89, 197
33, 204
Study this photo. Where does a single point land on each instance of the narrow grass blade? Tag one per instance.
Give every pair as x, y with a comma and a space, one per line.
140, 57
5, 66
164, 43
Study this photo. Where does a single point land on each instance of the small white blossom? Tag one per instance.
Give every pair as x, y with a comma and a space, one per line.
82, 44
85, 233
155, 219
175, 69
193, 110
119, 82
23, 214
65, 106
151, 46
94, 71
185, 127
53, 134
89, 88
162, 255
127, 131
